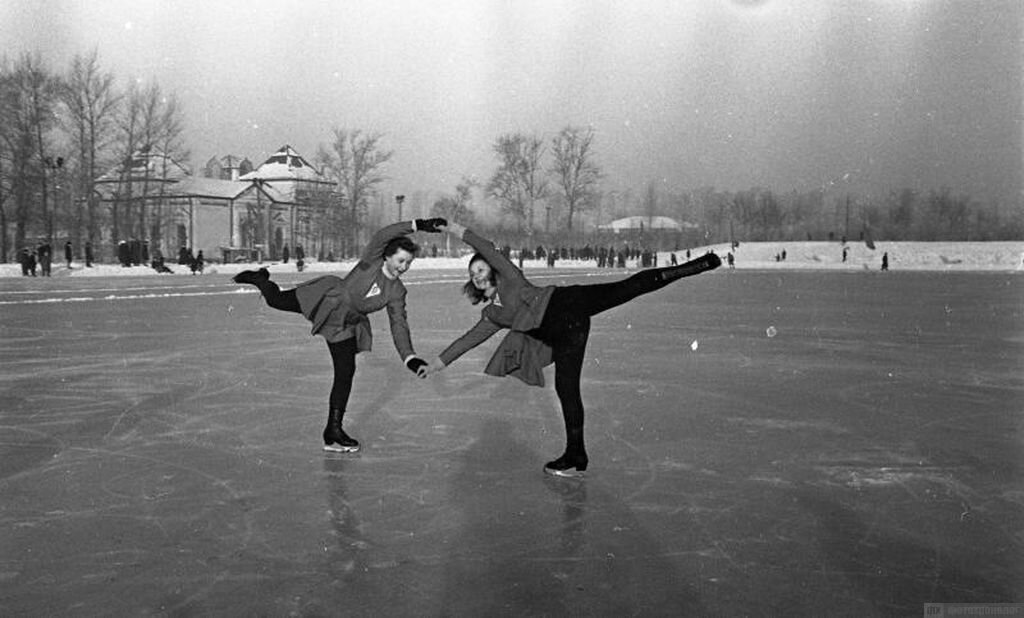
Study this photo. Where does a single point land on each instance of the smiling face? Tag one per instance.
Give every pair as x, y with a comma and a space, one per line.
480, 275
398, 262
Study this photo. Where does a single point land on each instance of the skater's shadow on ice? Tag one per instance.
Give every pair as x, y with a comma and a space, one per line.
386, 384
540, 544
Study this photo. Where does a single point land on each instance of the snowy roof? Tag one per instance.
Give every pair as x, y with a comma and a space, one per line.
150, 164
649, 223
208, 187
285, 164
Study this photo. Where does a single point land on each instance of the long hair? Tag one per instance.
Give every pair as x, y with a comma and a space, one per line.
475, 294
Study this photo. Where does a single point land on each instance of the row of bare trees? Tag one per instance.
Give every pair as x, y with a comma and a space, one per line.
762, 214
59, 131
570, 180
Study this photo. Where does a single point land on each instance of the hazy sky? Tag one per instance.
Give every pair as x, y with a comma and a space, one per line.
787, 94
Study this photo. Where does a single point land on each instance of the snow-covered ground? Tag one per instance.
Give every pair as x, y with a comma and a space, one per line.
934, 256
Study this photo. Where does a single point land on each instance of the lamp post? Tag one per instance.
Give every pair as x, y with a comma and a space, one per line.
54, 165
398, 200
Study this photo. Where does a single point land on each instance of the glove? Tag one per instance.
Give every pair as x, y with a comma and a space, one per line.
417, 365
430, 225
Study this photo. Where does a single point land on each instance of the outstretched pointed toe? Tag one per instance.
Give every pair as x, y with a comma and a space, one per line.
567, 465
704, 263
254, 277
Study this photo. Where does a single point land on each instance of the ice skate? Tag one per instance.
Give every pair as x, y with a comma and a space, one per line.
708, 261
338, 441
255, 277
335, 438
567, 465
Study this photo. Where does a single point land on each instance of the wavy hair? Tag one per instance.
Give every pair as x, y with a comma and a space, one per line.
475, 294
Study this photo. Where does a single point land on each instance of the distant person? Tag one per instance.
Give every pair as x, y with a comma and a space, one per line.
198, 263
28, 262
67, 253
845, 250
285, 254
731, 259
339, 309
885, 261
546, 325
672, 259
45, 255
157, 262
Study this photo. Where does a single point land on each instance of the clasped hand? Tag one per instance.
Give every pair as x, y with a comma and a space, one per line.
422, 368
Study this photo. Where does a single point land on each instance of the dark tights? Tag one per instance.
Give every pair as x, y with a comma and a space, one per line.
566, 328
343, 353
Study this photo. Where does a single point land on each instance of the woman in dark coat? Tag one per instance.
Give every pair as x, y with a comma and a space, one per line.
546, 324
338, 308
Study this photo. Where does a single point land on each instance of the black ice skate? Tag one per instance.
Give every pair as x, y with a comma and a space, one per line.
255, 277
335, 438
567, 465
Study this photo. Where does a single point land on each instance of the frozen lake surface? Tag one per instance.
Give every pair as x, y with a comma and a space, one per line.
836, 443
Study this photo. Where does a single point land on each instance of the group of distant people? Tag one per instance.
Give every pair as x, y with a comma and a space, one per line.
300, 257
39, 261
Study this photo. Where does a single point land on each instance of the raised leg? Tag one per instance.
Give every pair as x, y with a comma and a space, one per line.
592, 299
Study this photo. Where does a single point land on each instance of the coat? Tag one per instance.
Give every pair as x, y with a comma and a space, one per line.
338, 307
517, 305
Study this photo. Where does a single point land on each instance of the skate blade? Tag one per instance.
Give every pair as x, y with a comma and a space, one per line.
572, 473
334, 448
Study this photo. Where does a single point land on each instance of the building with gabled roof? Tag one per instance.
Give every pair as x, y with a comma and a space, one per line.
251, 215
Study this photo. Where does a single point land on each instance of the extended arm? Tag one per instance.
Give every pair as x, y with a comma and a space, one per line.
480, 333
484, 247
400, 327
375, 248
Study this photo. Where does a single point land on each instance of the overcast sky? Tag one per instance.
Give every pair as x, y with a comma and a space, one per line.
787, 94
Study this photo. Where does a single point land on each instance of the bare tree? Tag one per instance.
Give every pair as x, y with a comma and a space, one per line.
27, 115
128, 143
91, 101
356, 162
168, 127
149, 129
574, 169
504, 184
519, 182
457, 207
7, 141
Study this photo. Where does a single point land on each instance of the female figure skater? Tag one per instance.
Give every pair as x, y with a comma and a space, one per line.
338, 308
546, 324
